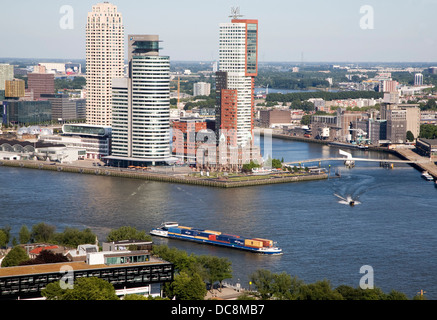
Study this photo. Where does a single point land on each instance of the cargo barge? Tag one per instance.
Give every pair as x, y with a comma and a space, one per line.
175, 231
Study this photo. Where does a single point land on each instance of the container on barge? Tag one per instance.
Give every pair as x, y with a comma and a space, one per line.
175, 231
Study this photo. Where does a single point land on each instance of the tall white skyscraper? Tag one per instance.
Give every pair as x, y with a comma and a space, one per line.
141, 106
418, 79
104, 60
238, 67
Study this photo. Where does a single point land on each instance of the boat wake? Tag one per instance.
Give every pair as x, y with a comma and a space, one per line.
348, 200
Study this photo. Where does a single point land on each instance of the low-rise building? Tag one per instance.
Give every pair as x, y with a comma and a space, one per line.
130, 272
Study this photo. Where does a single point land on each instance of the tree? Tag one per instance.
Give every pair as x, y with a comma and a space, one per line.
72, 237
24, 235
3, 239
7, 233
263, 281
126, 233
16, 256
276, 163
410, 136
320, 290
83, 289
42, 232
46, 256
217, 269
188, 287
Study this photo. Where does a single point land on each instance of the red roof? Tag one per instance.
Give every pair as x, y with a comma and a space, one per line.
39, 249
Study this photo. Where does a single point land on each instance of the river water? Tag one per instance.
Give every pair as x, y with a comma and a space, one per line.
393, 229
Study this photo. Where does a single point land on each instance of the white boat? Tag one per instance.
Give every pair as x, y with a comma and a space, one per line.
427, 176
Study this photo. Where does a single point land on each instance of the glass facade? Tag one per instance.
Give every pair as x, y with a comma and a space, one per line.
26, 112
127, 259
86, 130
251, 57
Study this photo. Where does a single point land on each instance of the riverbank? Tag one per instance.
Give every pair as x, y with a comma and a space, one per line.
222, 182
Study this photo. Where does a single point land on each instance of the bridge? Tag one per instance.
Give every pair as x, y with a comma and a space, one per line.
348, 157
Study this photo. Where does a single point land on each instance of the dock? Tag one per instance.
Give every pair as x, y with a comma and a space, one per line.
421, 163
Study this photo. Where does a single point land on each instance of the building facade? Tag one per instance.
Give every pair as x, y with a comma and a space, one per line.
6, 73
94, 139
104, 60
41, 83
63, 108
141, 105
185, 137
238, 67
14, 88
201, 89
20, 112
130, 272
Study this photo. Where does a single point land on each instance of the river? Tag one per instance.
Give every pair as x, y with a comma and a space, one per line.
393, 229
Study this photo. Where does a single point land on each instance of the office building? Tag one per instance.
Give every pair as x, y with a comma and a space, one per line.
63, 108
141, 106
396, 125
130, 272
21, 112
14, 88
201, 89
41, 83
271, 118
6, 73
104, 60
185, 140
94, 139
238, 67
418, 79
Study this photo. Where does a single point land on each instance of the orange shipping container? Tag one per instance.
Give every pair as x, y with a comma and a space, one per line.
253, 243
266, 242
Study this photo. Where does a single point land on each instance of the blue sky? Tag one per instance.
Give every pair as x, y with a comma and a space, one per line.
317, 30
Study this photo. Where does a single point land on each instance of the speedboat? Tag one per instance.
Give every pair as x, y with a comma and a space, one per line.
427, 176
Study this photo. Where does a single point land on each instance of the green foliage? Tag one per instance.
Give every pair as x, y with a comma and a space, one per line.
410, 136
276, 163
428, 131
188, 286
24, 235
3, 239
42, 232
16, 256
284, 287
72, 237
127, 233
302, 96
206, 268
76, 83
247, 167
83, 289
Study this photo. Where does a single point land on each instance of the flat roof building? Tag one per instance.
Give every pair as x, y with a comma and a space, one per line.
128, 271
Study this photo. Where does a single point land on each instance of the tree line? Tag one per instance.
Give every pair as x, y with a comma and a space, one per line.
302, 96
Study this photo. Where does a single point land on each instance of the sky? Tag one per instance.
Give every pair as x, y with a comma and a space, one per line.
289, 30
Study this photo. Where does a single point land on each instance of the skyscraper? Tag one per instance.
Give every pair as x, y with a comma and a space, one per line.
418, 79
238, 67
141, 105
104, 60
